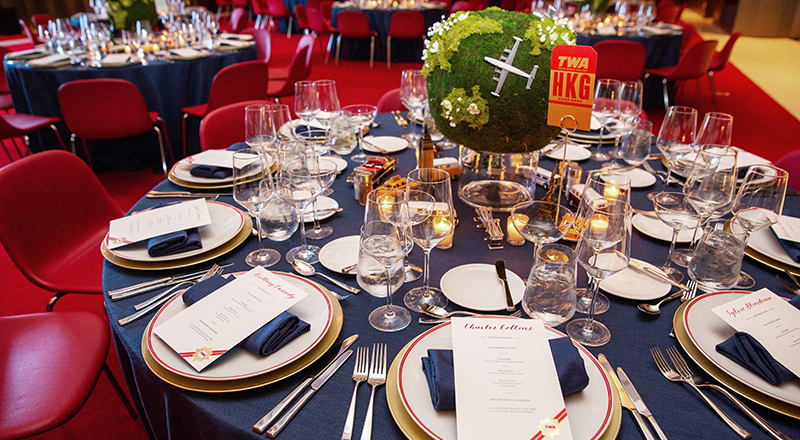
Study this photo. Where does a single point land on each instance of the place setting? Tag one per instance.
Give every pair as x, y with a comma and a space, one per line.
208, 170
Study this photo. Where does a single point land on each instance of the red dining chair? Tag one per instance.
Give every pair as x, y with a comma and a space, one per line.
221, 6
355, 24
6, 103
326, 11
408, 25
238, 21
477, 5
461, 5
321, 27
50, 363
301, 17
16, 125
238, 82
263, 42
299, 69
313, 4
692, 65
224, 126
282, 72
390, 101
108, 108
261, 13
719, 62
669, 12
277, 9
688, 36
619, 59
791, 163
41, 19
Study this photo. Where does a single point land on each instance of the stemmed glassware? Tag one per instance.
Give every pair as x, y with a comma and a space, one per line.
603, 250
306, 104
636, 145
716, 129
541, 222
327, 102
361, 115
674, 210
413, 95
605, 108
255, 128
429, 232
676, 137
403, 209
759, 204
252, 189
630, 107
327, 174
276, 116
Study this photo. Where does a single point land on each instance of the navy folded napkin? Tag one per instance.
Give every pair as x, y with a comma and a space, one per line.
746, 351
791, 247
238, 146
304, 130
174, 243
267, 339
439, 372
211, 171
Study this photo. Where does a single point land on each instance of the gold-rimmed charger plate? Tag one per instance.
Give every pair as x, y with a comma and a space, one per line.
724, 378
766, 260
202, 386
238, 239
194, 185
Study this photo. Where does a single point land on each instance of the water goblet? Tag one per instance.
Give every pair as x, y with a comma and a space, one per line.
605, 107
413, 95
254, 126
306, 104
328, 103
252, 189
674, 210
550, 290
387, 244
327, 174
717, 259
636, 145
362, 115
716, 129
541, 222
676, 139
630, 107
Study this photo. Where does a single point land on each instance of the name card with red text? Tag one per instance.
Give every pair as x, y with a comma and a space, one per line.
217, 323
506, 381
771, 320
572, 72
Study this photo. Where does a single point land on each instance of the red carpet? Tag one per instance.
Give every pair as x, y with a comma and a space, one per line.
761, 126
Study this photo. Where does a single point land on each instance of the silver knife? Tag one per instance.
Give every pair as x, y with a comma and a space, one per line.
638, 402
326, 374
262, 424
500, 265
655, 273
624, 399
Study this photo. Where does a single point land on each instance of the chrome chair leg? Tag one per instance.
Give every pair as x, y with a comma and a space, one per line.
388, 51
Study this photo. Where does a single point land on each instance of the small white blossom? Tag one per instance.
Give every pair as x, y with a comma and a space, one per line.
452, 124
459, 99
435, 47
447, 105
473, 109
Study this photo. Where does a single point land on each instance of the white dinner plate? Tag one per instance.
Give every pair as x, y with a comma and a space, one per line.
476, 286
706, 330
765, 242
287, 130
316, 309
322, 203
340, 163
390, 144
340, 253
226, 222
640, 178
574, 153
183, 171
655, 228
632, 284
589, 410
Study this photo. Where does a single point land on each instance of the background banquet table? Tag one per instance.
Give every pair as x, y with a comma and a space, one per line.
170, 412
167, 87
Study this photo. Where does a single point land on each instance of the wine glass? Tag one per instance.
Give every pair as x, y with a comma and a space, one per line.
603, 250
674, 210
600, 184
327, 174
758, 204
630, 107
404, 208
716, 129
636, 145
306, 104
605, 108
328, 103
413, 95
430, 231
252, 189
299, 184
541, 222
676, 137
362, 115
255, 129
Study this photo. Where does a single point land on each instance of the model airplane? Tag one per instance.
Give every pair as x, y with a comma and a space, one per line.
505, 65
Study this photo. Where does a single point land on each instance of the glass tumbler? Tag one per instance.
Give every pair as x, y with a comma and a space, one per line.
717, 259
550, 292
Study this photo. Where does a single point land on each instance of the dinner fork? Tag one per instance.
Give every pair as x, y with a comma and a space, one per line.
377, 377
691, 292
215, 269
360, 374
667, 371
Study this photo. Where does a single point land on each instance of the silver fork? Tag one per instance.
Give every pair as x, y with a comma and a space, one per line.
360, 374
171, 291
691, 292
673, 376
377, 377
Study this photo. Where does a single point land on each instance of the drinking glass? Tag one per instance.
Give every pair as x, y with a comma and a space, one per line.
636, 145
716, 129
758, 204
387, 244
327, 174
276, 116
676, 137
717, 259
255, 129
541, 222
306, 104
550, 290
605, 108
362, 115
403, 209
299, 184
328, 103
674, 210
430, 231
252, 189
630, 107
413, 95
603, 250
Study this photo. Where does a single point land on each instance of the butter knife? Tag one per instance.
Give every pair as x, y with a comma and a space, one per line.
316, 385
625, 400
655, 273
500, 265
638, 402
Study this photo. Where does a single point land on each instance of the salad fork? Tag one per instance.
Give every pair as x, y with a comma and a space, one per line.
673, 376
377, 377
360, 374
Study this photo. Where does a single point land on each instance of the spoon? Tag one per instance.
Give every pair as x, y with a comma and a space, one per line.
438, 312
655, 309
307, 270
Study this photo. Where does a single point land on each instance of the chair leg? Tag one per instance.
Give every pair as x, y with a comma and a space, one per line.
183, 127
371, 50
166, 139
289, 30
713, 88
161, 149
85, 150
700, 95
338, 45
16, 147
666, 95
120, 392
52, 302
388, 51
58, 136
330, 46
10, 159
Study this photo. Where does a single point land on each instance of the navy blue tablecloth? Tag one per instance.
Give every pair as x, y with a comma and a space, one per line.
166, 87
169, 412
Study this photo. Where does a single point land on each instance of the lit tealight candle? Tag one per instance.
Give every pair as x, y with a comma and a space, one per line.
515, 223
443, 225
611, 191
598, 223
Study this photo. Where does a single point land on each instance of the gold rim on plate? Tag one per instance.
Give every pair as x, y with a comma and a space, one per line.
712, 370
238, 239
413, 431
187, 184
271, 377
765, 259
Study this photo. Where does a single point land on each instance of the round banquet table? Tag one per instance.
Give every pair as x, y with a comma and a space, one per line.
170, 412
167, 87
379, 21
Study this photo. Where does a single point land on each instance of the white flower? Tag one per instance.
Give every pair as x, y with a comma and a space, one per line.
447, 105
452, 124
553, 37
473, 109
544, 37
435, 47
565, 36
459, 99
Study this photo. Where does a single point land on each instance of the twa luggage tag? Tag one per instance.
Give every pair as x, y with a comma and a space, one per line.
572, 80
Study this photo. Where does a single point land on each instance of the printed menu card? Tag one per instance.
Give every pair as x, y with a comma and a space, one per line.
506, 381
771, 320
217, 158
218, 322
155, 222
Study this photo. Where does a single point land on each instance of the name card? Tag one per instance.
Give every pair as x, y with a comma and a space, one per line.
217, 158
155, 222
572, 73
788, 228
